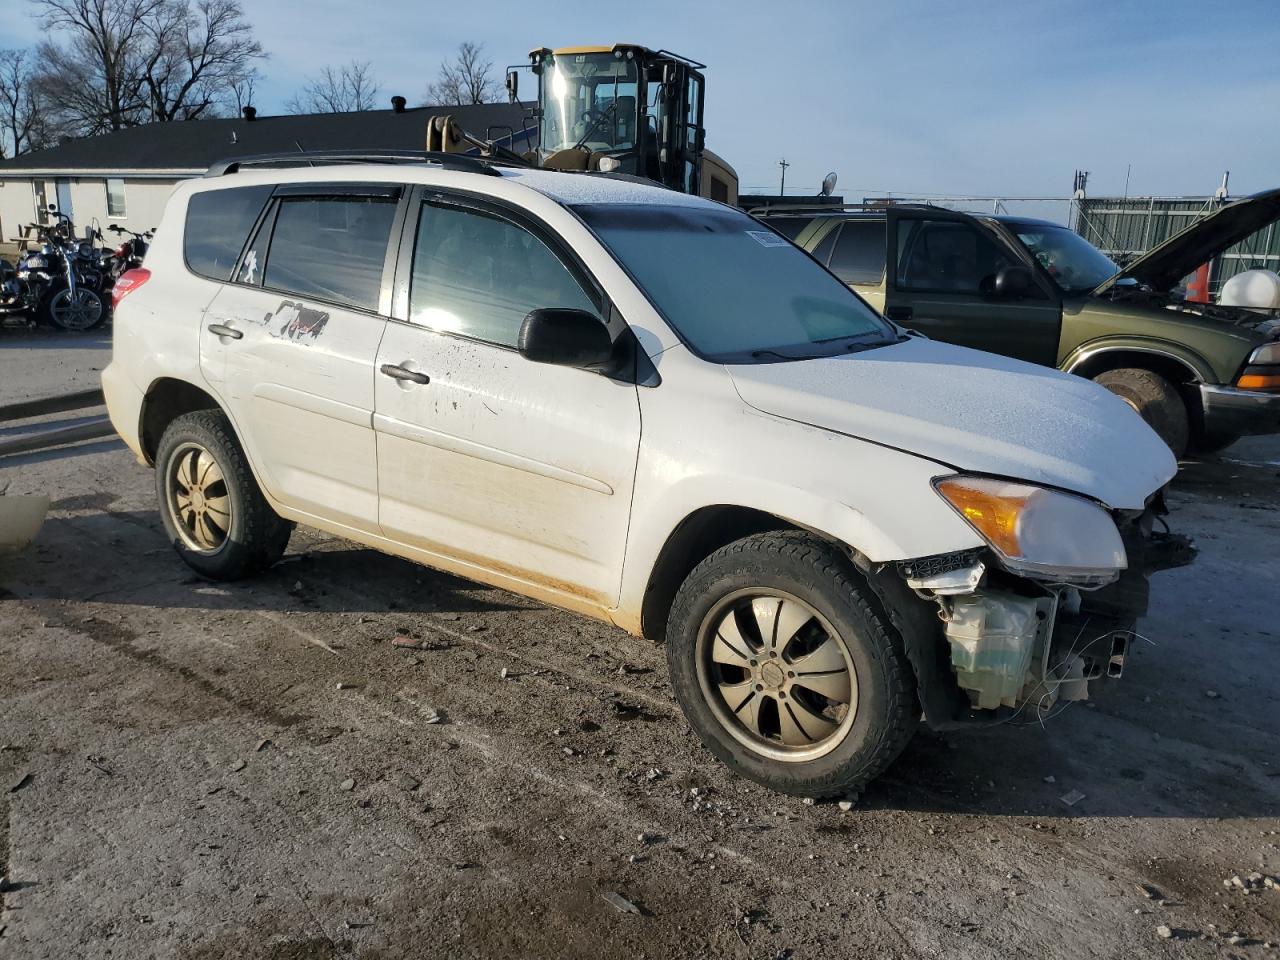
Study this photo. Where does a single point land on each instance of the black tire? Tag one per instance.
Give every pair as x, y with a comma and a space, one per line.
256, 535
1213, 441
815, 572
1156, 400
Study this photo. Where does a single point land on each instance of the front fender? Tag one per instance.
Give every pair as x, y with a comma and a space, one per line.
874, 499
1085, 354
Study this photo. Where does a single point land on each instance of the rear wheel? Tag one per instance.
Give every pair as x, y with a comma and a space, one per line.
214, 513
785, 670
1155, 399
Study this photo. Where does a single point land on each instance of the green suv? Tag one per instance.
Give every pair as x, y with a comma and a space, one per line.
1201, 374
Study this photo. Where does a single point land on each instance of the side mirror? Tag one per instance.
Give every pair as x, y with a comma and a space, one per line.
566, 338
1011, 282
513, 86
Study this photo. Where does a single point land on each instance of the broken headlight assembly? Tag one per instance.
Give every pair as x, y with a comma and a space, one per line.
1037, 532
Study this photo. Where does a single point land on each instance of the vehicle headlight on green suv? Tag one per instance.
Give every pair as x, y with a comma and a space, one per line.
1037, 532
1262, 371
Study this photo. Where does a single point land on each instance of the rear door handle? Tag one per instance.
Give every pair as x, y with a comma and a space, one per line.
222, 330
397, 372
900, 314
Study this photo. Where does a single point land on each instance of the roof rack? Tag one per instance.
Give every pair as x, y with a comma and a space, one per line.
303, 158
768, 208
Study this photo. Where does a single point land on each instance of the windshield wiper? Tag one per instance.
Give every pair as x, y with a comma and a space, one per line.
599, 120
757, 354
857, 342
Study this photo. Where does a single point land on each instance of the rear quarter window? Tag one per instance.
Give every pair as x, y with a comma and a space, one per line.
218, 224
859, 254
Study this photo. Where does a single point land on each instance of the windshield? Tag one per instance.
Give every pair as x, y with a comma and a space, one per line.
1076, 265
735, 291
589, 99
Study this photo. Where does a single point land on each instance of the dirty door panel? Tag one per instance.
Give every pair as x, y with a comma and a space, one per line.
520, 468
297, 365
942, 266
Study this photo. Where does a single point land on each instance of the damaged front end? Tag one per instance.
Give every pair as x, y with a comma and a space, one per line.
986, 638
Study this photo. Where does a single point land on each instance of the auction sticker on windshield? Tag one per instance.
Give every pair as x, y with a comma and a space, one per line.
767, 239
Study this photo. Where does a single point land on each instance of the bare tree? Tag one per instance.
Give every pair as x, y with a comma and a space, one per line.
338, 90
466, 79
117, 63
196, 55
22, 119
244, 89
96, 72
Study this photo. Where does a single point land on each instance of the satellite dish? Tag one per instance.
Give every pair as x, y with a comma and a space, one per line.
828, 185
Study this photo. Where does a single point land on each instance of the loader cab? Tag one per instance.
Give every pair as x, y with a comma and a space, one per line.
623, 109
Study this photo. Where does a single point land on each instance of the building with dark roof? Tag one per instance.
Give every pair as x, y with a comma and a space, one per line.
125, 177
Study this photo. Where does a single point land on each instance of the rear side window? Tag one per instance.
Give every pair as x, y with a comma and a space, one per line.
218, 223
860, 252
332, 248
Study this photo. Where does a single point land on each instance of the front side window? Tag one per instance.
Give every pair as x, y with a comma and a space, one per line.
946, 256
479, 275
859, 253
218, 223
735, 291
115, 198
332, 248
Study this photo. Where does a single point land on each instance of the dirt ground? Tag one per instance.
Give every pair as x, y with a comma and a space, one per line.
202, 770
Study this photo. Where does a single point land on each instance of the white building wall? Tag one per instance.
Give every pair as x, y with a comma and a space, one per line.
144, 200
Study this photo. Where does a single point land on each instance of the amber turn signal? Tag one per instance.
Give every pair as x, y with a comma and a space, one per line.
1260, 378
991, 507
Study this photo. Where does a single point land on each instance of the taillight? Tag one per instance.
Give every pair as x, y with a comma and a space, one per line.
128, 282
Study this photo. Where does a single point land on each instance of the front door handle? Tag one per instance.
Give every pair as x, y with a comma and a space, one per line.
397, 372
899, 314
222, 330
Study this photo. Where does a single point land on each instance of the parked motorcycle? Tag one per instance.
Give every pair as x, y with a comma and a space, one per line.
65, 277
17, 303
128, 255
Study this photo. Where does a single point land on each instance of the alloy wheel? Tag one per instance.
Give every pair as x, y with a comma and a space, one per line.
198, 498
777, 675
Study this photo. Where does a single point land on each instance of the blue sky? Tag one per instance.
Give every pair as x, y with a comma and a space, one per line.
982, 97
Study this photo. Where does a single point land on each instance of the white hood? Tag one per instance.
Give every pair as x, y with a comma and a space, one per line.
975, 412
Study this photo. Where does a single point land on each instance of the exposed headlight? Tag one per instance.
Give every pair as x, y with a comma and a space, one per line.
1267, 353
1037, 532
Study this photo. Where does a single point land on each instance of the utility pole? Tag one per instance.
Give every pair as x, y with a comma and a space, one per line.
782, 187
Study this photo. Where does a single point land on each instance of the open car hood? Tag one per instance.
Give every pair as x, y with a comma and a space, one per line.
1163, 266
972, 411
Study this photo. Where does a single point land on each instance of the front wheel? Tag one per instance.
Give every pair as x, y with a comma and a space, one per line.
1156, 400
76, 311
786, 671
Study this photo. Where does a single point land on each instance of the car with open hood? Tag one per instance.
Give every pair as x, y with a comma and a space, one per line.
648, 408
1202, 374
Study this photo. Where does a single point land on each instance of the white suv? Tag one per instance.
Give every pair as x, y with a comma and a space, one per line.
653, 410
